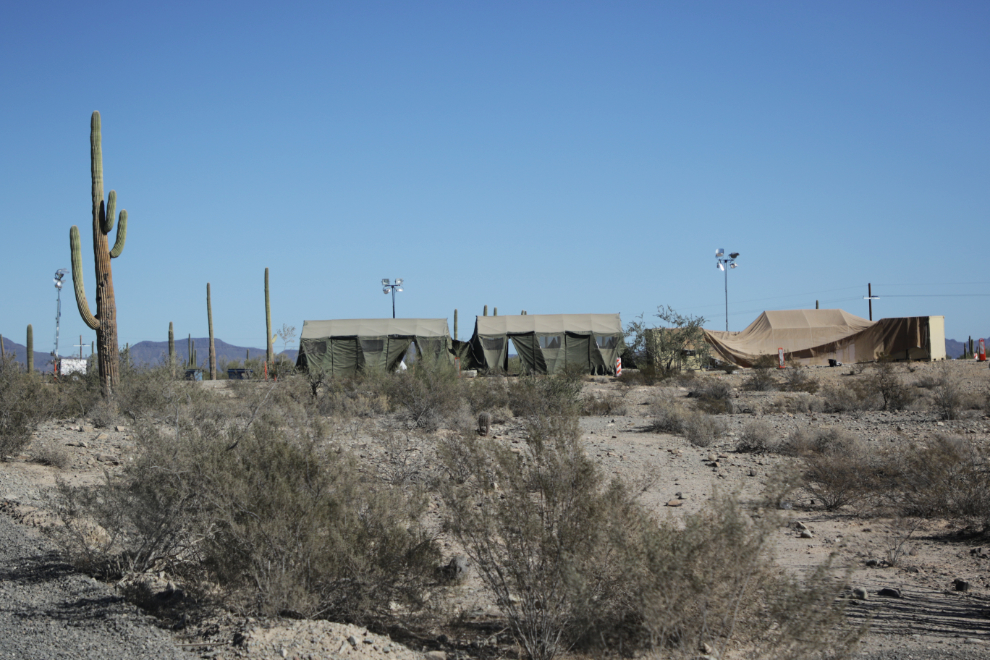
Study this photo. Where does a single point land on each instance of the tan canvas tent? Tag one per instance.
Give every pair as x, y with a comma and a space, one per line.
342, 347
547, 343
814, 336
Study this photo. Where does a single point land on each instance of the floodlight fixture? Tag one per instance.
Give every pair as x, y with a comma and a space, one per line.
59, 274
722, 261
392, 287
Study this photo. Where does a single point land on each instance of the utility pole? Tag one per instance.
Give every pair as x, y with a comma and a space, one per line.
871, 298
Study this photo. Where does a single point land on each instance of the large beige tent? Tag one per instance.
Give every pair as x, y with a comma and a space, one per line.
342, 347
815, 336
547, 343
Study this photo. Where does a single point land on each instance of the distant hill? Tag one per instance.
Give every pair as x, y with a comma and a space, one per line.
156, 352
41, 360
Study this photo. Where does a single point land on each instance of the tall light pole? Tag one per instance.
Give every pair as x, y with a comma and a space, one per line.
722, 262
59, 274
392, 287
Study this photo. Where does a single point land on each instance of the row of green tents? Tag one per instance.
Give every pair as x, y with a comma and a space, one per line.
545, 343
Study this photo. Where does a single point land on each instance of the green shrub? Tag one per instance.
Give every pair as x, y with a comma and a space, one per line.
429, 391
535, 396
486, 393
762, 378
884, 383
19, 391
607, 405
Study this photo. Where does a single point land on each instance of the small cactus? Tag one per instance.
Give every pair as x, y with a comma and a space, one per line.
269, 352
484, 423
3, 349
495, 312
455, 325
486, 310
30, 349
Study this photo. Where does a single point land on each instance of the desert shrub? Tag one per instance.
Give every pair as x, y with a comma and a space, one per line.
837, 470
534, 396
574, 563
50, 453
667, 415
364, 394
946, 477
18, 412
757, 437
947, 397
701, 429
727, 367
762, 378
645, 374
429, 391
885, 384
604, 406
486, 393
281, 520
850, 396
692, 598
800, 402
797, 379
713, 396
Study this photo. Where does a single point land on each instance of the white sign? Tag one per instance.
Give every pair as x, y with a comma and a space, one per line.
68, 366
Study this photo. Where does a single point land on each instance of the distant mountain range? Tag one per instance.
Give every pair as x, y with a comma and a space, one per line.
156, 352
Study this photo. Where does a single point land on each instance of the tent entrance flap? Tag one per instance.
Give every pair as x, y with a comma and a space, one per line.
530, 356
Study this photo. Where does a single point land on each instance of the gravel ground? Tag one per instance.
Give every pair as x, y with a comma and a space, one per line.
48, 611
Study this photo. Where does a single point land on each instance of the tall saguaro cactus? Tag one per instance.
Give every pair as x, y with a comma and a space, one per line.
105, 321
30, 349
455, 325
171, 349
269, 353
213, 350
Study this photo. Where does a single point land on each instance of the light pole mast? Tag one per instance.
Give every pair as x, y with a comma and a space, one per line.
392, 287
723, 263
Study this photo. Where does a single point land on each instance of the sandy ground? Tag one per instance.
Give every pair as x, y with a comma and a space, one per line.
929, 619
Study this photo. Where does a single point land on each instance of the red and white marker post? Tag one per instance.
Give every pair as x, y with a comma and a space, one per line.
618, 367
780, 358
983, 352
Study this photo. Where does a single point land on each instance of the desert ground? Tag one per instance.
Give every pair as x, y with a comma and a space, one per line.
924, 583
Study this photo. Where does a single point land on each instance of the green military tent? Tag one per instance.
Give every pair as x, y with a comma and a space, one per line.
342, 347
547, 343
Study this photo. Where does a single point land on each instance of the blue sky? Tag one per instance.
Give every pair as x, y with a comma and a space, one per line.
553, 157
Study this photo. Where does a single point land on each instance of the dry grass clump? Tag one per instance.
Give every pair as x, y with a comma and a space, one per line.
757, 437
884, 383
713, 396
607, 405
52, 454
947, 395
701, 429
849, 397
667, 415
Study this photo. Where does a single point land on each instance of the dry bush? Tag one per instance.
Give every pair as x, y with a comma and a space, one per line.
837, 470
52, 454
850, 396
18, 415
693, 596
762, 378
757, 437
947, 396
801, 402
946, 477
797, 379
607, 405
538, 396
713, 396
430, 392
574, 563
667, 415
486, 393
250, 496
884, 383
701, 429
365, 394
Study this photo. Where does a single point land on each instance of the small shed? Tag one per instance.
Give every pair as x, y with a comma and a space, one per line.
345, 346
547, 343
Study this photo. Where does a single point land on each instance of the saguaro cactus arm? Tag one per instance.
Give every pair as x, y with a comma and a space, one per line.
77, 280
118, 245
